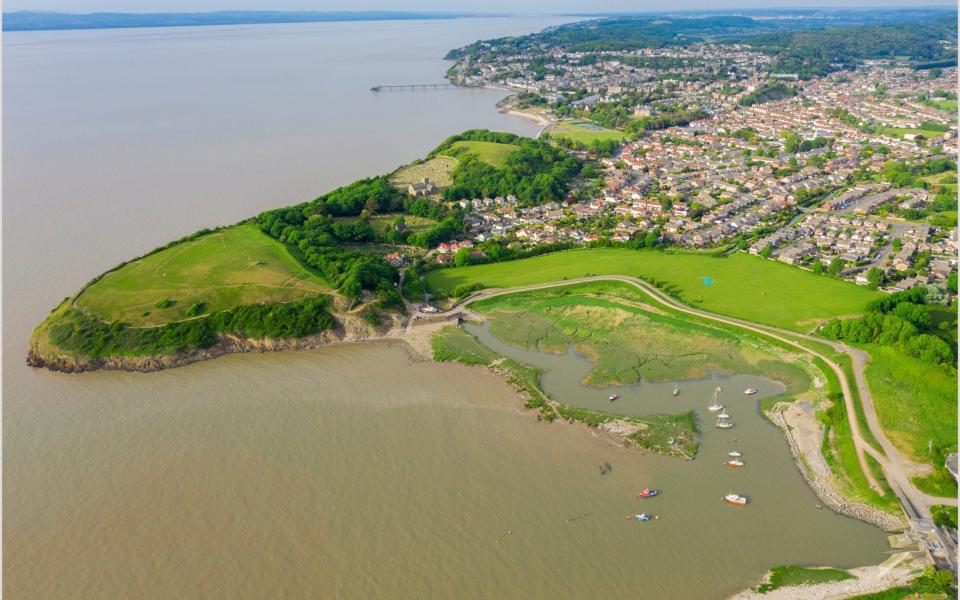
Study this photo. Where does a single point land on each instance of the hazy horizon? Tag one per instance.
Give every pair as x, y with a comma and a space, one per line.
545, 7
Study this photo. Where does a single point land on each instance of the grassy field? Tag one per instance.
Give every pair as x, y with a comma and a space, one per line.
791, 576
584, 132
949, 106
380, 223
941, 179
437, 169
493, 153
627, 338
230, 267
899, 132
741, 285
916, 402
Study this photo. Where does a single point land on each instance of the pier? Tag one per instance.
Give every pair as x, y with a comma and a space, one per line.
412, 86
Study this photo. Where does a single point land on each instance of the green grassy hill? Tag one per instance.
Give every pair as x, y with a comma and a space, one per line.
738, 285
493, 153
226, 268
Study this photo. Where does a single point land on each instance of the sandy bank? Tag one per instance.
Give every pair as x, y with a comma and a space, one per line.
896, 571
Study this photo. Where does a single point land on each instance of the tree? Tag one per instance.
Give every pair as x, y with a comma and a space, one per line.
836, 266
874, 277
818, 268
766, 251
462, 257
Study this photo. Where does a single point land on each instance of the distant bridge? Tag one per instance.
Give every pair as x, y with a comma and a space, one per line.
412, 86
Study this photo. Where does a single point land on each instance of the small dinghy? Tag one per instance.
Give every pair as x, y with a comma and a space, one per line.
735, 499
648, 493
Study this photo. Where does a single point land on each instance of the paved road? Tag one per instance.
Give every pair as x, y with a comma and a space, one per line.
916, 503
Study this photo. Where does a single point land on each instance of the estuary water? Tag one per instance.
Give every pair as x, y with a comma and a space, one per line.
348, 472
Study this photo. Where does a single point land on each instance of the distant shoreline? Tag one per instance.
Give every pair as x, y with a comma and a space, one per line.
58, 21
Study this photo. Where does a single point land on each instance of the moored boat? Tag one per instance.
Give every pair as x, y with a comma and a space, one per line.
723, 421
613, 397
735, 499
749, 392
735, 454
640, 517
736, 463
648, 493
715, 402
676, 388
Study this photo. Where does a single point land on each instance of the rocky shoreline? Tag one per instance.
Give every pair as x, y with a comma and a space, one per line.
817, 474
348, 330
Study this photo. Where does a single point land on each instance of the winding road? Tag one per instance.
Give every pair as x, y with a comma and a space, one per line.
896, 469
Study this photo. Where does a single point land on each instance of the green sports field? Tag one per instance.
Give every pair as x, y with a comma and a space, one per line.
899, 132
493, 153
230, 267
584, 132
740, 285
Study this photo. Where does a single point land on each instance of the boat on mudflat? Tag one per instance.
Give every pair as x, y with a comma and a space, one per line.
736, 463
648, 493
734, 454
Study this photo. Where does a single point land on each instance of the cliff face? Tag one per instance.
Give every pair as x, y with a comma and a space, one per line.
348, 329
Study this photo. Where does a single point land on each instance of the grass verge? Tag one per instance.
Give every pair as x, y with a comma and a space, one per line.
779, 577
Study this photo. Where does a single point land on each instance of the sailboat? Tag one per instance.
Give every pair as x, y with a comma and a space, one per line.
676, 388
715, 402
722, 421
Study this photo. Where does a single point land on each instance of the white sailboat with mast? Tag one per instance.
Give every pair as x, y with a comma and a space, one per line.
715, 402
723, 420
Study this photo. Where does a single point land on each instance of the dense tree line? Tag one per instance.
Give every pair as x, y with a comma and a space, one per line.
616, 33
311, 227
902, 174
792, 143
816, 53
77, 332
664, 120
770, 92
535, 173
899, 320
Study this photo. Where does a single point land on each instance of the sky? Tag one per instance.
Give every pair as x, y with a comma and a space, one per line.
514, 6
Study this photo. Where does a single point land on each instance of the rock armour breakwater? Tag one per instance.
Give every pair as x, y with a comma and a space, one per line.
819, 480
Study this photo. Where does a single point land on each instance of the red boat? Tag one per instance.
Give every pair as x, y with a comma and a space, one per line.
648, 493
